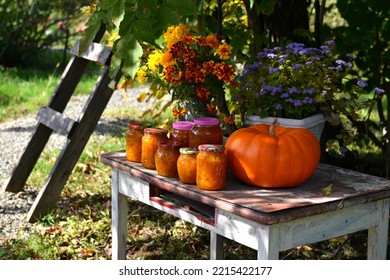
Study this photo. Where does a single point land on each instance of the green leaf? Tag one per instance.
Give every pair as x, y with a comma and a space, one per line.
129, 50
182, 7
118, 13
89, 34
146, 9
143, 32
165, 18
106, 4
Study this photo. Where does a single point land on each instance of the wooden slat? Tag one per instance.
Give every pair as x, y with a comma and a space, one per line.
95, 52
56, 121
58, 101
70, 154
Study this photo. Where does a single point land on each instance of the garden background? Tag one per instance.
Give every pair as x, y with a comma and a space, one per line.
35, 37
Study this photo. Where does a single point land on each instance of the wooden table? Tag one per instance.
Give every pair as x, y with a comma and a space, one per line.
267, 220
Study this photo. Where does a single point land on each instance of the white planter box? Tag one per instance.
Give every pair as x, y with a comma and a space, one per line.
313, 123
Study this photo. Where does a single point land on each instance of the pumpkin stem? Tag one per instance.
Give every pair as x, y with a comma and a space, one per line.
272, 128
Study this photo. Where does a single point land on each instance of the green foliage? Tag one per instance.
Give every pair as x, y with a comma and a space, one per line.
133, 24
29, 26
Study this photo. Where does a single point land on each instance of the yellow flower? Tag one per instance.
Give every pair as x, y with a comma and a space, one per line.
154, 60
174, 33
224, 51
141, 74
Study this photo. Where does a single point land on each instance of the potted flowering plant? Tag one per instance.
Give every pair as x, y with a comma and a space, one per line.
297, 82
194, 70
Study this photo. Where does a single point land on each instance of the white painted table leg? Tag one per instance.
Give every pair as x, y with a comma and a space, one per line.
216, 246
267, 237
119, 209
377, 236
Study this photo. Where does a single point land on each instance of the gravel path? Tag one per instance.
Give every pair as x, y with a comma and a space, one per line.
14, 137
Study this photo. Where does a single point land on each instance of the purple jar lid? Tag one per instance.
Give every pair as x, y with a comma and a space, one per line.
206, 121
182, 125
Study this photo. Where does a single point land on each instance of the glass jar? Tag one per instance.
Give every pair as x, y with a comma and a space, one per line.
181, 131
186, 165
206, 130
150, 140
134, 142
211, 167
166, 158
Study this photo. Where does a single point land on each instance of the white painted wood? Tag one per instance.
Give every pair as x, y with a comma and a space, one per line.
377, 236
134, 187
119, 209
216, 246
328, 225
268, 240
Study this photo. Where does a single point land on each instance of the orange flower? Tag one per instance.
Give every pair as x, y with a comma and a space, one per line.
229, 120
224, 72
224, 51
212, 109
202, 93
179, 113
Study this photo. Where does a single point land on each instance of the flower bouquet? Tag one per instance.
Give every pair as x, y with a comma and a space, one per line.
194, 70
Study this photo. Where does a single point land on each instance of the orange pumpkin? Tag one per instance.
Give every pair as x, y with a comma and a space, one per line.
272, 156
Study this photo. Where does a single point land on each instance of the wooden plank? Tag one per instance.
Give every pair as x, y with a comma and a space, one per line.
95, 52
70, 154
56, 121
29, 157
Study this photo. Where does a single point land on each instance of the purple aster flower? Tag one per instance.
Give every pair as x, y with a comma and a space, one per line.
279, 107
271, 55
292, 90
297, 103
361, 83
284, 95
343, 150
351, 56
297, 66
379, 90
273, 70
308, 91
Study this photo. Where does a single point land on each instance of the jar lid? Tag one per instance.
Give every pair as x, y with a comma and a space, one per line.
155, 131
211, 148
182, 125
188, 151
135, 125
206, 121
170, 144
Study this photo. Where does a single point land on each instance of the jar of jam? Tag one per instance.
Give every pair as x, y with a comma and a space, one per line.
166, 158
150, 140
181, 132
211, 167
206, 130
186, 165
134, 142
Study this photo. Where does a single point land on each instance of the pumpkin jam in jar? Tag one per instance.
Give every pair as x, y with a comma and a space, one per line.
150, 140
186, 165
206, 130
166, 158
211, 167
134, 142
181, 131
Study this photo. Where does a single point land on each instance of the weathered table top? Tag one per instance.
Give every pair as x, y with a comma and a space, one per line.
269, 206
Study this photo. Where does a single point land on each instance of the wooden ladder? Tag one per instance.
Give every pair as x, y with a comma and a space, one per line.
51, 119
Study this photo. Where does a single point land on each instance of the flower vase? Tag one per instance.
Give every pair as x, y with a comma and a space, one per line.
313, 123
